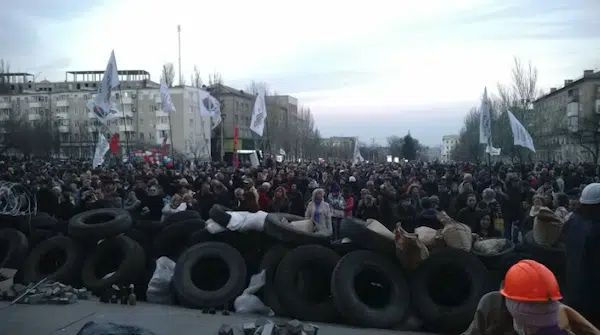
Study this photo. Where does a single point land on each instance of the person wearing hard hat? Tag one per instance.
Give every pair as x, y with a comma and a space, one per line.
528, 304
581, 236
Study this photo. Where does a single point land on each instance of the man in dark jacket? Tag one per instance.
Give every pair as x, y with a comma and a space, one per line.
582, 246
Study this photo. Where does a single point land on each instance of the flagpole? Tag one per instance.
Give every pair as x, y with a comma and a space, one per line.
170, 135
124, 119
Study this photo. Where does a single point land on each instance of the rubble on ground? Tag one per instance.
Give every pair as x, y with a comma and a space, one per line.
267, 327
46, 293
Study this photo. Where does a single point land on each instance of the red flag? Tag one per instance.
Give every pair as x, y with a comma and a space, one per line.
236, 162
114, 143
164, 145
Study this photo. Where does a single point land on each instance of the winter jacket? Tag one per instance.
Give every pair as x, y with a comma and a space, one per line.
323, 225
168, 211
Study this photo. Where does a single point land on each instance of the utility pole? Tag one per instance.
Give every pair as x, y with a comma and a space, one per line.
179, 52
373, 149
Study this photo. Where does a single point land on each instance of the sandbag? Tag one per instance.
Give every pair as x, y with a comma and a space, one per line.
547, 227
455, 234
410, 251
427, 236
490, 246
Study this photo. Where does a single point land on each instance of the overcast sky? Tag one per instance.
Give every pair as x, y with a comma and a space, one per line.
366, 68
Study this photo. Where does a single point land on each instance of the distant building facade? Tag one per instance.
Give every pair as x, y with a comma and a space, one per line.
449, 142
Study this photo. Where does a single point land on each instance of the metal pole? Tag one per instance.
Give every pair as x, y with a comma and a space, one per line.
179, 52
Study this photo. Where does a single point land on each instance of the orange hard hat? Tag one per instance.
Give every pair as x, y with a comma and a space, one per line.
529, 280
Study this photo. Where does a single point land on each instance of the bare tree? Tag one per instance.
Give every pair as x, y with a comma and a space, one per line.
468, 148
168, 74
215, 78
196, 79
4, 80
518, 97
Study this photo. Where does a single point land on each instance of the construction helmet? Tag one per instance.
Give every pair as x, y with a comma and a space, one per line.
529, 280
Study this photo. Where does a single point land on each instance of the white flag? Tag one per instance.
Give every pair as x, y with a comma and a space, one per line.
357, 157
210, 106
282, 152
492, 151
485, 122
101, 150
520, 135
165, 98
259, 114
102, 107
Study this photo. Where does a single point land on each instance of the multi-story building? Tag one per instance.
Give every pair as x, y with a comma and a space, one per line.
236, 110
449, 142
142, 123
564, 116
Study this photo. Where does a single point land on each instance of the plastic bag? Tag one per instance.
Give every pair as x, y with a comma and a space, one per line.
213, 227
159, 287
547, 227
248, 302
379, 228
94, 328
245, 221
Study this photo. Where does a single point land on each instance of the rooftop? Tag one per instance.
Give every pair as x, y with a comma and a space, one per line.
121, 72
587, 75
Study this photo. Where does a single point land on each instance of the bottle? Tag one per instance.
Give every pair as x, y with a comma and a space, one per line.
132, 297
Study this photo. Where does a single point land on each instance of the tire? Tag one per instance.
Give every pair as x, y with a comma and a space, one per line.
344, 248
554, 258
269, 263
129, 266
142, 238
149, 226
100, 223
446, 289
353, 305
171, 241
356, 230
60, 251
219, 214
181, 216
38, 236
218, 285
13, 248
283, 232
310, 299
41, 220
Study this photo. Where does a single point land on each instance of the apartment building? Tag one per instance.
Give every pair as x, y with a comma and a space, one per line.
142, 123
449, 142
236, 110
570, 107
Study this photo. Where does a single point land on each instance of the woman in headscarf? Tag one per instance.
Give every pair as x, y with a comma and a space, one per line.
319, 212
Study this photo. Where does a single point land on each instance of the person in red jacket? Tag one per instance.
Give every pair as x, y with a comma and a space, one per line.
349, 201
263, 198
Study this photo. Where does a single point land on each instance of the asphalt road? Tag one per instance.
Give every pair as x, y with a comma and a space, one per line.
163, 320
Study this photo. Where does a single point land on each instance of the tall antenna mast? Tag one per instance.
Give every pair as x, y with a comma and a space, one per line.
179, 52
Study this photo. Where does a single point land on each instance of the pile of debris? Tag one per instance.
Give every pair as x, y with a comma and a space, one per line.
44, 293
267, 327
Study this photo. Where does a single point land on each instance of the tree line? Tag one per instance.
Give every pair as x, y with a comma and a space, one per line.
548, 129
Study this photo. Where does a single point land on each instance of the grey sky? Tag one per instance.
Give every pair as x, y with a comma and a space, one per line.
370, 69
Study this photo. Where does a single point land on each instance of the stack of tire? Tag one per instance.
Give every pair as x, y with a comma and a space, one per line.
362, 284
96, 249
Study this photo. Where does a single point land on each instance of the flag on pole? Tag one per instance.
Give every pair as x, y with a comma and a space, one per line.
357, 157
485, 121
102, 108
165, 98
210, 106
102, 147
520, 134
259, 114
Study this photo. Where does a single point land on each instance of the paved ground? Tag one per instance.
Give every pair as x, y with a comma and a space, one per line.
163, 320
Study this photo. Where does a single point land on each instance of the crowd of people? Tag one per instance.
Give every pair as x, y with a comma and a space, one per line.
495, 201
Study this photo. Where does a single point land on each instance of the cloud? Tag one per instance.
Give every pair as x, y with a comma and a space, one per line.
381, 69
